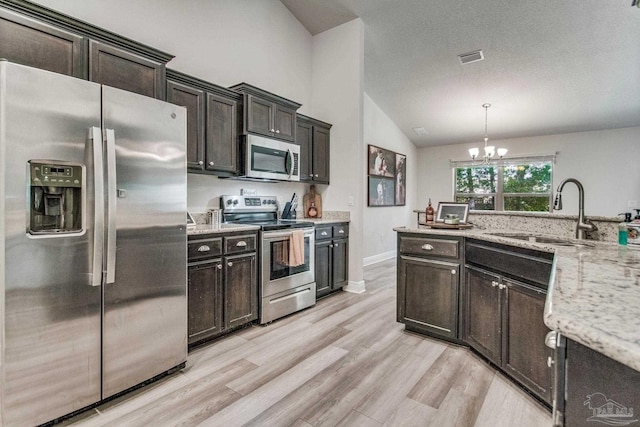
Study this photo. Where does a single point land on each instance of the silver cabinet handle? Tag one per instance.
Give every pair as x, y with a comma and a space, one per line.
316, 175
204, 248
341, 232
277, 130
230, 264
330, 246
494, 283
211, 163
453, 272
98, 222
502, 286
427, 247
200, 162
550, 361
241, 244
272, 130
324, 233
219, 266
335, 245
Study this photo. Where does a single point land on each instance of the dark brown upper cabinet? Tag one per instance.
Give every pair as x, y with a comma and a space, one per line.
212, 123
124, 70
267, 114
36, 44
313, 138
39, 37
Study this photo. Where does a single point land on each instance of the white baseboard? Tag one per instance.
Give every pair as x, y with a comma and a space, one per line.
378, 258
355, 287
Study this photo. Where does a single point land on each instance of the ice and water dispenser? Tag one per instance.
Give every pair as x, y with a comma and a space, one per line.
56, 197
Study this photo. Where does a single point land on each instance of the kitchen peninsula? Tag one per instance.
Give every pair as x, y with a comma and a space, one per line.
592, 298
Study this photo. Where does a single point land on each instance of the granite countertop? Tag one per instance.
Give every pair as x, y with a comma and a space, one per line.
593, 296
224, 228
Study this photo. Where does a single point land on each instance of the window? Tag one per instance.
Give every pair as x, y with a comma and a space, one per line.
513, 185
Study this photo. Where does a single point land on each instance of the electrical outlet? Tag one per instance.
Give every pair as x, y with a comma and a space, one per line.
632, 204
350, 201
248, 192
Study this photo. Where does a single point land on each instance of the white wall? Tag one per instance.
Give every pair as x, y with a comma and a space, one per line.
337, 82
222, 41
605, 162
380, 240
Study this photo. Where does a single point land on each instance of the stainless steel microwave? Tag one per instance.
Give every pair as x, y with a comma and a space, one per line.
266, 158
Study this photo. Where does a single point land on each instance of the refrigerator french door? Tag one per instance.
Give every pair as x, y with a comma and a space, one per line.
93, 242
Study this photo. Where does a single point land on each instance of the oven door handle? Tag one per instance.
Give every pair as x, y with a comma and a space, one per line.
290, 171
287, 234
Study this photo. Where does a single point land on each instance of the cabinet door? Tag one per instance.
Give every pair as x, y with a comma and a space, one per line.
222, 134
304, 138
205, 300
340, 263
430, 295
482, 318
118, 68
241, 290
524, 352
193, 99
321, 154
259, 116
29, 42
284, 121
323, 260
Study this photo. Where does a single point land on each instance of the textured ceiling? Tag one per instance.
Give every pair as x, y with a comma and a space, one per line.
550, 66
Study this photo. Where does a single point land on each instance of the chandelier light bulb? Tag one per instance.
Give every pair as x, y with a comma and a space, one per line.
473, 152
502, 152
489, 151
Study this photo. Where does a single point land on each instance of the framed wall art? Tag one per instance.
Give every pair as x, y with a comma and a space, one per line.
386, 172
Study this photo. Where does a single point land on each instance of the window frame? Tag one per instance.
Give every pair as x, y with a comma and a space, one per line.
499, 195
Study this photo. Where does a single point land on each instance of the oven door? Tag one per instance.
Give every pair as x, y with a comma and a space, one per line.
278, 274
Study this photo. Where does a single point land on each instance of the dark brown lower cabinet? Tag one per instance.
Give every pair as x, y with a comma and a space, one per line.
430, 302
599, 390
331, 258
222, 286
504, 322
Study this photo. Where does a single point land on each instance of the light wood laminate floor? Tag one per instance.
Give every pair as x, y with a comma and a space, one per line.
344, 362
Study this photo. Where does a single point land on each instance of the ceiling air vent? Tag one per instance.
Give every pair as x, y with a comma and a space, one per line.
474, 56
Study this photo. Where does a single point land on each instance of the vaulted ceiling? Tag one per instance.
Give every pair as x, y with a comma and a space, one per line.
549, 66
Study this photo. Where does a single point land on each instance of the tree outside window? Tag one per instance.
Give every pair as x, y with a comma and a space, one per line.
524, 187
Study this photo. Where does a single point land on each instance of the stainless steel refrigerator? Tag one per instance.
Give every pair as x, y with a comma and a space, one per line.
93, 242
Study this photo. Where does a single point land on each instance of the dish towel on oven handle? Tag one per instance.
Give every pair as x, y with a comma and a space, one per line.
296, 248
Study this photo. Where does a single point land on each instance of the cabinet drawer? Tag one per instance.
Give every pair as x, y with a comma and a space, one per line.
422, 246
324, 232
236, 244
340, 231
205, 248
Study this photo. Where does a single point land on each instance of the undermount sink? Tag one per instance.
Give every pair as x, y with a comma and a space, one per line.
529, 237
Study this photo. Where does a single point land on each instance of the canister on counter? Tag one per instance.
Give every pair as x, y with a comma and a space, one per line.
633, 233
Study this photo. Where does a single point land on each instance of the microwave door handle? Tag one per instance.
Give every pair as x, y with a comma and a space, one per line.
111, 206
98, 216
290, 154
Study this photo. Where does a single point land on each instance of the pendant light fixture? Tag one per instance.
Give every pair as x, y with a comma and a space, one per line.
489, 150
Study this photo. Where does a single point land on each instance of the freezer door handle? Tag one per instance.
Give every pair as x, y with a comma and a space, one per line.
98, 222
111, 206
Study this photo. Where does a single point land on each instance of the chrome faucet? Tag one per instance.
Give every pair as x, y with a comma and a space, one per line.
583, 224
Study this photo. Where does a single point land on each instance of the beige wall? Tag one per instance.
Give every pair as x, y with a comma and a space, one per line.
605, 162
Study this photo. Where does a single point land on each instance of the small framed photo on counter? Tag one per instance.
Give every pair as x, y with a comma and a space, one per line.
448, 208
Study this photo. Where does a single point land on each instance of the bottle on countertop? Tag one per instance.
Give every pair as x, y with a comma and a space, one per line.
430, 212
623, 229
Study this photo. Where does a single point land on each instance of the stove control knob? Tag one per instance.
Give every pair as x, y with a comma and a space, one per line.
264, 202
235, 202
229, 202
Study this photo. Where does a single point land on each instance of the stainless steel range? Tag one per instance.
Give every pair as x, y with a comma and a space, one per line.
287, 269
